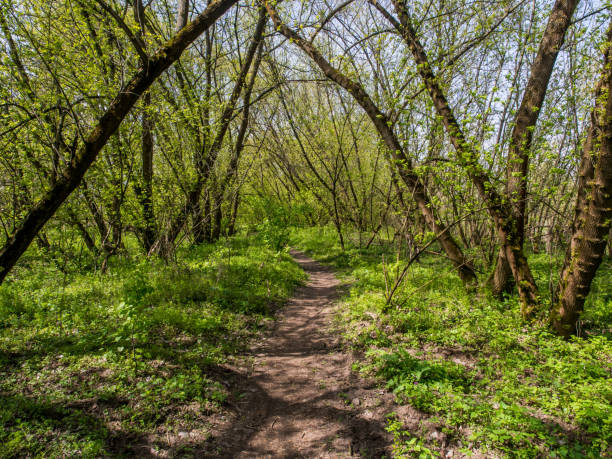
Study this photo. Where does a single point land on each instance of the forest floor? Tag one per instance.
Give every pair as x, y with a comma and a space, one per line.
300, 397
198, 358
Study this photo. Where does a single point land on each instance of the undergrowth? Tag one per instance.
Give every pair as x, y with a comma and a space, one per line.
481, 377
103, 364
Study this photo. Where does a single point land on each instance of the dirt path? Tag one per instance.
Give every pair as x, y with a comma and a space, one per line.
300, 397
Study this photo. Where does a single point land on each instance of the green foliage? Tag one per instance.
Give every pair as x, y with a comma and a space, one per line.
272, 219
91, 363
274, 233
466, 361
405, 445
405, 373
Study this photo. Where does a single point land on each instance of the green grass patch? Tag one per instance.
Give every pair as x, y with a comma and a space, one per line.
100, 364
490, 382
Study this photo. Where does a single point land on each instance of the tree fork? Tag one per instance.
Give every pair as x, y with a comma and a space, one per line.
522, 132
499, 209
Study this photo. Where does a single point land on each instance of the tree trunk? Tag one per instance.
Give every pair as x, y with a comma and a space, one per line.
467, 156
148, 214
206, 158
232, 170
336, 217
593, 213
501, 281
217, 218
99, 135
146, 190
207, 218
200, 235
182, 15
231, 228
383, 126
198, 228
522, 133
87, 239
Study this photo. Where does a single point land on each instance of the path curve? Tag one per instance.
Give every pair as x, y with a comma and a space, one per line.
300, 397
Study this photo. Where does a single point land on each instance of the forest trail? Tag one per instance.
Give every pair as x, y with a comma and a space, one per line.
302, 400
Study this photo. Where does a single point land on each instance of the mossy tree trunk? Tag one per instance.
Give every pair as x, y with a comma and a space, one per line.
593, 213
400, 160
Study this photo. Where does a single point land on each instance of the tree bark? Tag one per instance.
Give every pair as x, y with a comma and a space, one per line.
383, 127
522, 132
593, 213
99, 135
499, 209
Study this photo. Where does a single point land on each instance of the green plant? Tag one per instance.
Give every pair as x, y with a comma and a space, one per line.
463, 362
405, 445
136, 347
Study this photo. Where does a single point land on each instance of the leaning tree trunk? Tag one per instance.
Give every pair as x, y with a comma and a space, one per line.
148, 214
383, 126
232, 170
198, 229
500, 211
207, 157
99, 135
593, 214
522, 133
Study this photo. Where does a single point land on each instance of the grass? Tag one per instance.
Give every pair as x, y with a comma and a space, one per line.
98, 365
481, 377
104, 364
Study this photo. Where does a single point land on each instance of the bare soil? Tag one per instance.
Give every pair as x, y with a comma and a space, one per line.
299, 397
